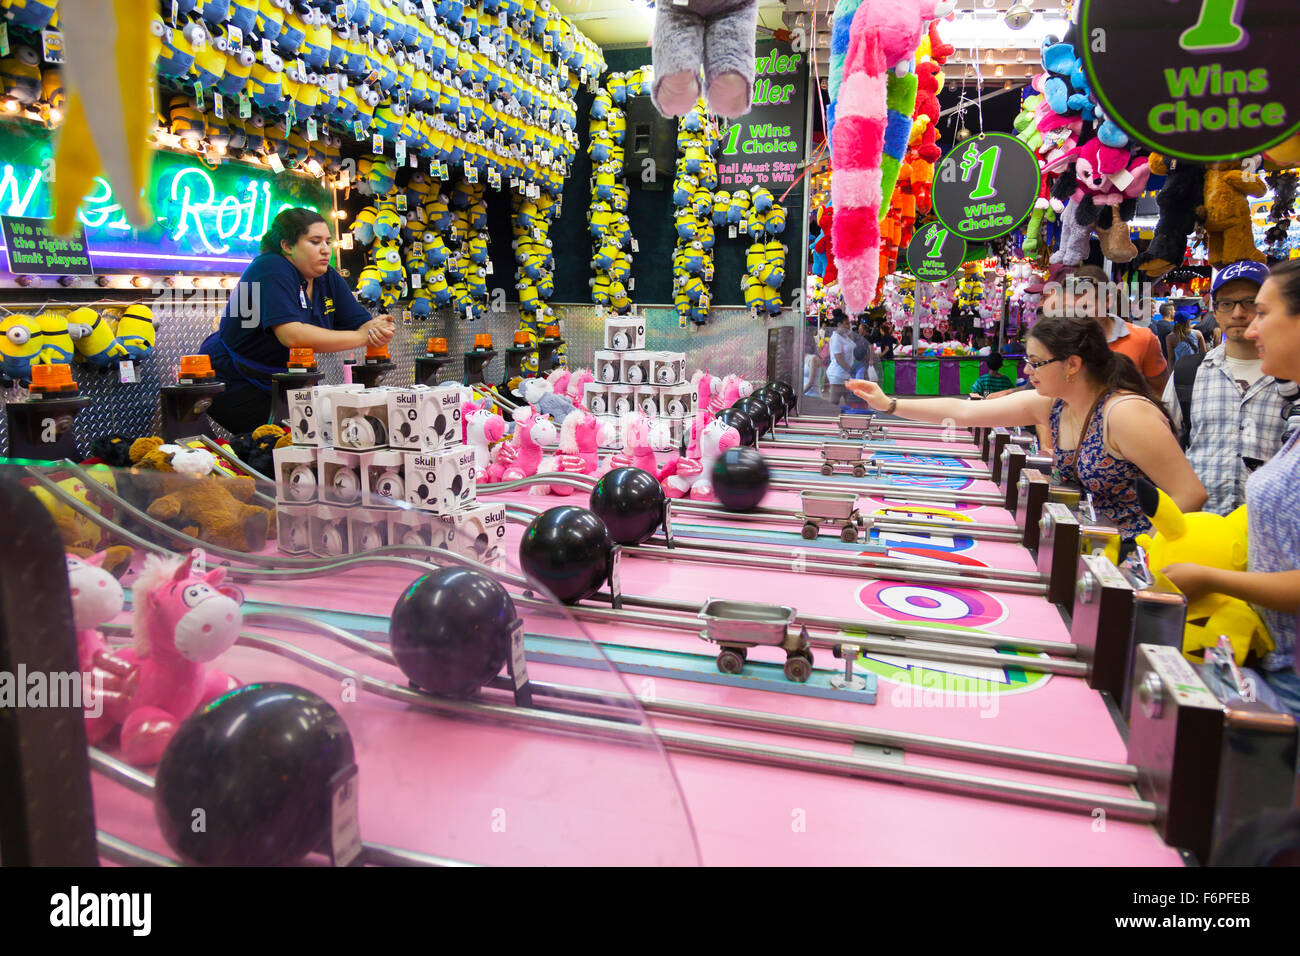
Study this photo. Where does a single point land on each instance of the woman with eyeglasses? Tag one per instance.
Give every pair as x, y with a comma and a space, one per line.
1272, 579
1107, 426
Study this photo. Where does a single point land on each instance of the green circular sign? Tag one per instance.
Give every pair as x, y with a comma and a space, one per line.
935, 253
986, 186
1205, 80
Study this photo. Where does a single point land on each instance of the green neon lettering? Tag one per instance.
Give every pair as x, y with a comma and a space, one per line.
1218, 29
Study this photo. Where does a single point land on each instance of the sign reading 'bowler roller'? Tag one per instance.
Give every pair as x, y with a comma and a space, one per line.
1206, 80
766, 145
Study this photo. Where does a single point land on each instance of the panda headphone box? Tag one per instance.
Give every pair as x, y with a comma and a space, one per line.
424, 418
361, 420
440, 481
311, 413
624, 333
295, 473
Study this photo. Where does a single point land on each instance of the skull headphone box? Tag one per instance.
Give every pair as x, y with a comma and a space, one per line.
382, 484
414, 528
295, 473
647, 400
477, 533
610, 429
424, 418
667, 368
293, 528
361, 420
635, 368
595, 398
440, 481
677, 401
339, 473
608, 370
311, 413
624, 332
622, 399
367, 530
329, 531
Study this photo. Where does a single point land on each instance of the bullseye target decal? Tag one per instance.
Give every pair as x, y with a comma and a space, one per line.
925, 604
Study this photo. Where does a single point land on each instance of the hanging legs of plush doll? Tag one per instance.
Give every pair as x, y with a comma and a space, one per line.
718, 34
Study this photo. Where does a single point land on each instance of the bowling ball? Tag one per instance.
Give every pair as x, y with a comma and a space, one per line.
740, 478
787, 392
260, 764
759, 412
741, 423
631, 503
568, 550
450, 631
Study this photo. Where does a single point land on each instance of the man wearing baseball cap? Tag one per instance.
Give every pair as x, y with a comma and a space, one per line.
1231, 417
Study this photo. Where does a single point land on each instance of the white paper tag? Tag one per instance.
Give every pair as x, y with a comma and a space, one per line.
415, 280
267, 52
399, 151
518, 655
489, 267
218, 106
346, 241
126, 371
245, 106
274, 161
636, 247
312, 132
407, 317
345, 830
377, 144
345, 178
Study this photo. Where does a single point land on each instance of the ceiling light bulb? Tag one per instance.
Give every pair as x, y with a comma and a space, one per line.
1018, 17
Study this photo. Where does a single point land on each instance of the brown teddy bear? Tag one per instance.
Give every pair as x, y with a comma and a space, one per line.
1227, 213
214, 510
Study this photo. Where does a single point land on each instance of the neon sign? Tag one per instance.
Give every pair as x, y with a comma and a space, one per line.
208, 218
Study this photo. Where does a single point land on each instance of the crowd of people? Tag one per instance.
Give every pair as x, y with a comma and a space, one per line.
1207, 415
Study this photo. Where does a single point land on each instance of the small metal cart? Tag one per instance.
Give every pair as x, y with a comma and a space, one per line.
834, 453
736, 626
820, 507
856, 426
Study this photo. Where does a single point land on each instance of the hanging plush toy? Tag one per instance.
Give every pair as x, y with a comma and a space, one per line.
1229, 234
716, 34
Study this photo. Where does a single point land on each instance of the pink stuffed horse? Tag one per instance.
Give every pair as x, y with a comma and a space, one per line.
577, 386
644, 438
483, 429
734, 388
468, 408
708, 391
695, 476
181, 621
559, 381
97, 598
522, 456
579, 448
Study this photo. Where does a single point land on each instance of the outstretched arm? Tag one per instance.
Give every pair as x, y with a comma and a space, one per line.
1022, 408
1279, 591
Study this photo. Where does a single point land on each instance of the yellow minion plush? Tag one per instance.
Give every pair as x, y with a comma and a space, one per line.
135, 330
93, 339
56, 342
21, 340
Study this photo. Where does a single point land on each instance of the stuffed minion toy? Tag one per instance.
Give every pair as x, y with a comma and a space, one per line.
370, 285
600, 289
771, 299
236, 71
774, 220
56, 342
421, 303
755, 256
702, 203
185, 120
704, 234
761, 198
37, 14
175, 56
737, 208
270, 19
617, 126
752, 290
684, 189
620, 268
135, 330
363, 226
93, 339
437, 287
687, 225
435, 250
266, 83
21, 341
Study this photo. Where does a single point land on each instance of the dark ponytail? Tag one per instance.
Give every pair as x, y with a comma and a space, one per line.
1064, 337
289, 226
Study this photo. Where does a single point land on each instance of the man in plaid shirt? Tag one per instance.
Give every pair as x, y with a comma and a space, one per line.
1239, 417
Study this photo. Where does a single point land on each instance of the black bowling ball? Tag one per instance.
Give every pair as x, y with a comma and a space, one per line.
260, 765
450, 631
740, 479
631, 503
788, 393
741, 423
568, 550
759, 412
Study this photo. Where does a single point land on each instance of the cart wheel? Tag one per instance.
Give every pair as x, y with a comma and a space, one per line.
859, 471
809, 531
848, 534
807, 654
828, 469
729, 662
742, 651
798, 669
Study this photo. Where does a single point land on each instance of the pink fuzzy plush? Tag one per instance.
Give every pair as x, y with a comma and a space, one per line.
521, 457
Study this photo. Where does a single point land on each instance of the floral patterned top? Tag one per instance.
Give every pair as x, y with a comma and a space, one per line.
1111, 481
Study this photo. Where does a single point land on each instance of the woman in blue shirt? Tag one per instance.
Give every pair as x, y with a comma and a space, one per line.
1272, 579
288, 297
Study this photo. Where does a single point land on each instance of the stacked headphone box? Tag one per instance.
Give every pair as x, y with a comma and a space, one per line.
630, 378
374, 467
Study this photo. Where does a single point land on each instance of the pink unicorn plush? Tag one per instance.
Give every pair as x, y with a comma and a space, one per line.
708, 392
182, 620
580, 436
521, 457
734, 388
578, 384
696, 476
643, 438
559, 381
468, 408
97, 598
483, 429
